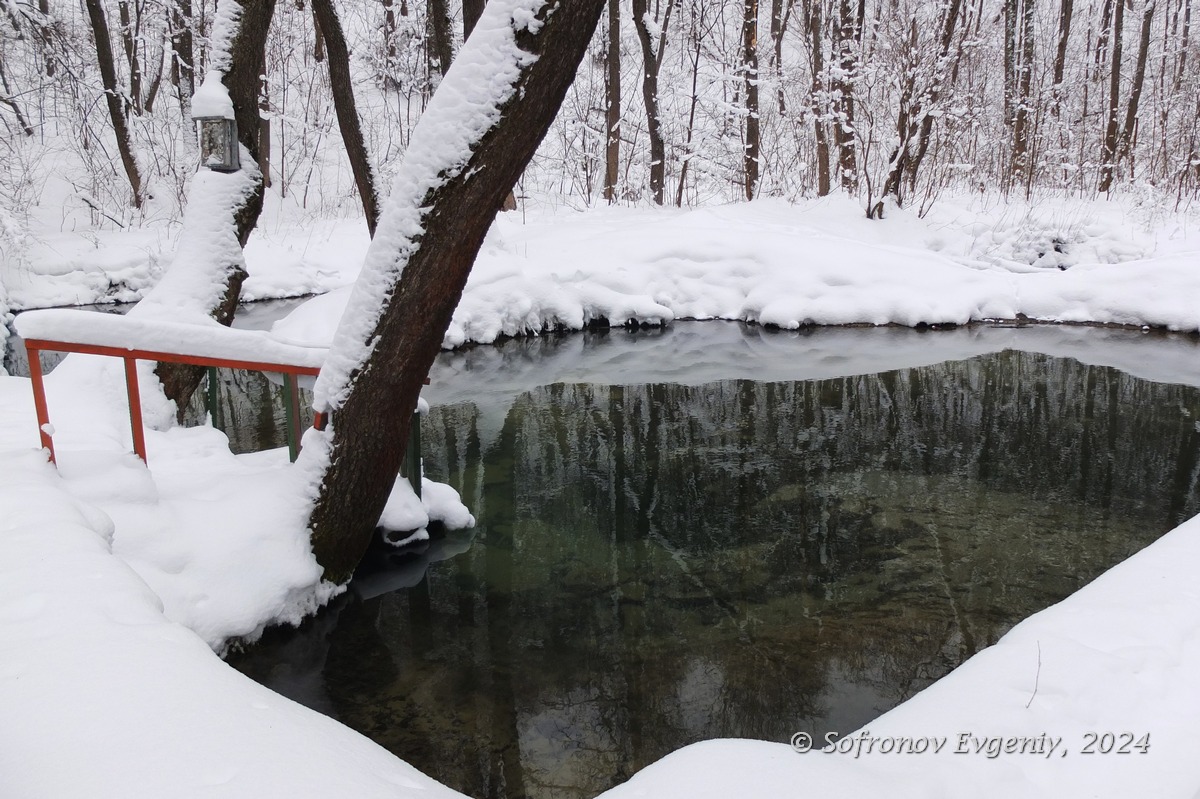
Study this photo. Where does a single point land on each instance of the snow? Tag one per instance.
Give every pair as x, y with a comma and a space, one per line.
773, 263
103, 696
205, 338
121, 581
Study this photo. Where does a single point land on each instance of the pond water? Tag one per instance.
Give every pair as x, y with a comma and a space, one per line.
719, 531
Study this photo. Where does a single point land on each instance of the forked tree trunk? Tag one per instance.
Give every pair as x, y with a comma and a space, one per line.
417, 278
344, 106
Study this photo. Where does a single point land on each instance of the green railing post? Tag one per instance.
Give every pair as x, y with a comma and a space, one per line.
213, 399
412, 456
290, 403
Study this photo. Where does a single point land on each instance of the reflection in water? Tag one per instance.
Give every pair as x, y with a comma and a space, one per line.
659, 564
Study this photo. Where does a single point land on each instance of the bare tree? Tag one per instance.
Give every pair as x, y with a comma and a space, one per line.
472, 9
113, 97
1108, 149
130, 22
183, 69
814, 26
346, 109
439, 34
848, 28
750, 159
652, 59
421, 277
612, 102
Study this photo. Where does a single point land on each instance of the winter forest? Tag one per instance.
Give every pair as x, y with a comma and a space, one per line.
683, 103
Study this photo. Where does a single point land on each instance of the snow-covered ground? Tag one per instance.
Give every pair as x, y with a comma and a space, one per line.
121, 580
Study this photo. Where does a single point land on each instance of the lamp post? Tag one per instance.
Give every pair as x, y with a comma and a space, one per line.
218, 143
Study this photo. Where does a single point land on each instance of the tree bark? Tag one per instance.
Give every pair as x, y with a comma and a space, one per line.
424, 282
129, 37
753, 152
1108, 150
472, 10
652, 53
182, 64
345, 108
612, 103
849, 31
439, 29
1065, 12
816, 36
116, 107
1021, 171
1139, 80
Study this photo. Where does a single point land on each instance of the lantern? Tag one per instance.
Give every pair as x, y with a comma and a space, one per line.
218, 144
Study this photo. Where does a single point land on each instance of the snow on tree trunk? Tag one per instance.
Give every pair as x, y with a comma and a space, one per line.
481, 129
205, 279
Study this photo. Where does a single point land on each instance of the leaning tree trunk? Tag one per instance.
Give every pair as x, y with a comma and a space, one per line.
346, 110
112, 96
241, 78
480, 131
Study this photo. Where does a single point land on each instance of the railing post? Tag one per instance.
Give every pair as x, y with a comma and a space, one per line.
213, 398
412, 456
39, 399
135, 408
291, 415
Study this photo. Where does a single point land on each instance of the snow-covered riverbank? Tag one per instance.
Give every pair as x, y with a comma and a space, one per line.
116, 575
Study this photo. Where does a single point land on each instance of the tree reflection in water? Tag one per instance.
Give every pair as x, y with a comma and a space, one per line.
660, 564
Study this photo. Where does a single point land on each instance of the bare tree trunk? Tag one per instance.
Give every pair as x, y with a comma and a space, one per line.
46, 32
9, 101
1139, 80
697, 47
849, 31
182, 64
439, 28
116, 108
375, 400
1108, 151
129, 40
1011, 12
1021, 170
815, 26
1065, 12
778, 23
612, 103
753, 150
1184, 33
346, 109
652, 53
472, 9
389, 39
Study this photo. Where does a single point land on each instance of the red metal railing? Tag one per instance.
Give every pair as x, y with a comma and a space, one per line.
130, 356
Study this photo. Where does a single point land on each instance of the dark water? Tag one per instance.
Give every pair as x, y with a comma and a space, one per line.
658, 562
